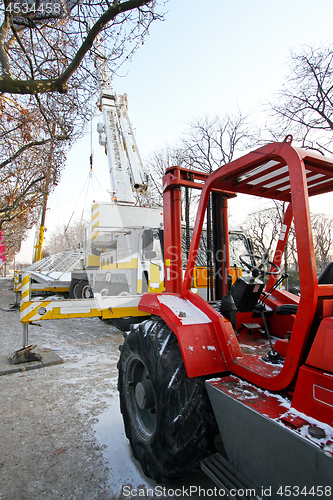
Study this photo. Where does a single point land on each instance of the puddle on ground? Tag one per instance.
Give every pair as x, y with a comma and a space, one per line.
110, 435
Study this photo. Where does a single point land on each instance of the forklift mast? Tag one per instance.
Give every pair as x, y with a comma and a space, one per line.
174, 178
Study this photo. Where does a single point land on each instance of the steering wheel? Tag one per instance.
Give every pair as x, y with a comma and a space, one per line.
259, 271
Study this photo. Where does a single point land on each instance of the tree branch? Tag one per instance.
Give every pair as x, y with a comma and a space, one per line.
31, 145
6, 212
8, 84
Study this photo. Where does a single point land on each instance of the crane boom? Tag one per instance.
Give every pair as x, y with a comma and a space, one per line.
116, 134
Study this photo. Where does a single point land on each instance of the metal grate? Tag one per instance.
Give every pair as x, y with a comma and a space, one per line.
63, 262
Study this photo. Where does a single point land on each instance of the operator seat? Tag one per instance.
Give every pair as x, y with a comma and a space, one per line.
286, 309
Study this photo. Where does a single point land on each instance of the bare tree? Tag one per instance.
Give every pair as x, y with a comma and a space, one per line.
43, 44
263, 227
34, 136
207, 144
212, 142
14, 232
68, 237
157, 165
322, 228
304, 105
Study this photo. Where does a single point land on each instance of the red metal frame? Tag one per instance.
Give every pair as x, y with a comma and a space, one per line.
275, 171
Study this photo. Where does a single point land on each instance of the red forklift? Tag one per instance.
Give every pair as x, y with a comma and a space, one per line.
241, 383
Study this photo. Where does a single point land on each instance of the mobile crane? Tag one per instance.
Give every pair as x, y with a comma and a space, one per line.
123, 250
112, 259
242, 383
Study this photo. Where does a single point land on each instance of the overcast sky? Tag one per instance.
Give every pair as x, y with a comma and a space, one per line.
206, 58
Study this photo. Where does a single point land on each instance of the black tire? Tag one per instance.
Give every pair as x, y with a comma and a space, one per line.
84, 290
167, 416
73, 289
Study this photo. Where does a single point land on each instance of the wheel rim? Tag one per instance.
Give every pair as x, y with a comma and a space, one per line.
141, 398
86, 292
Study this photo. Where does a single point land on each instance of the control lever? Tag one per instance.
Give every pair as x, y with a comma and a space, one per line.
263, 261
273, 356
